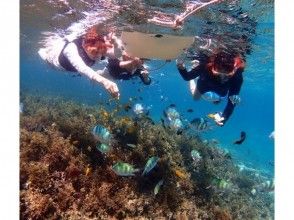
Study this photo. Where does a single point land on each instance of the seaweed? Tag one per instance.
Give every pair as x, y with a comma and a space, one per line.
64, 176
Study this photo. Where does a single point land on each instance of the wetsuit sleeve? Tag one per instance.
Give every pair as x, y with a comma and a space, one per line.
188, 75
72, 54
234, 90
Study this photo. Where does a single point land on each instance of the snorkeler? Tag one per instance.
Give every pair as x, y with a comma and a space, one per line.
127, 68
80, 54
216, 76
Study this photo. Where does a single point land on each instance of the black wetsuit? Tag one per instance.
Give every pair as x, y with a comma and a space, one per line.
207, 82
121, 73
65, 63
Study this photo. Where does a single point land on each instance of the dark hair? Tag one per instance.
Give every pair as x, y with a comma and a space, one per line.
224, 61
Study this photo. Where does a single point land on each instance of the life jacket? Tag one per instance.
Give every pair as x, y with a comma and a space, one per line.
65, 63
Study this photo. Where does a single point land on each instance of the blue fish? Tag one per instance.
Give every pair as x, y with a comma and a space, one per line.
102, 134
151, 163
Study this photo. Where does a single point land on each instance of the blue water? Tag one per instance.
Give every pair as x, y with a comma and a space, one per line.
255, 114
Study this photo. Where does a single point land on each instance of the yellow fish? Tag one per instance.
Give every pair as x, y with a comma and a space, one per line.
180, 173
211, 115
88, 170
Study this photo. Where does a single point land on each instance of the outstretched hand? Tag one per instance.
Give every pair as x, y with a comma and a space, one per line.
218, 119
112, 88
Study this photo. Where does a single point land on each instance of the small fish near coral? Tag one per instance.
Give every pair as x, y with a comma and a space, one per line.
133, 146
124, 169
242, 138
103, 148
171, 113
101, 134
157, 187
200, 124
195, 156
151, 163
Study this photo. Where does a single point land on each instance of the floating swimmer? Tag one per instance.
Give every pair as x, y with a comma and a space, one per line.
242, 138
151, 163
124, 169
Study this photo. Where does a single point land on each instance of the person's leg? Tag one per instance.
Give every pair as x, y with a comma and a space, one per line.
193, 89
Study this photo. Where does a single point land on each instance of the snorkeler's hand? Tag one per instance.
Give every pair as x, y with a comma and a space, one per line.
178, 22
195, 63
180, 64
111, 87
144, 73
218, 119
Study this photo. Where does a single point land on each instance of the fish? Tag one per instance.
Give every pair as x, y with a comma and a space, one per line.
102, 134
157, 187
171, 113
235, 99
267, 186
88, 170
176, 124
195, 155
242, 138
151, 163
271, 163
221, 184
180, 173
124, 169
21, 107
162, 122
131, 145
190, 110
127, 107
103, 148
211, 116
211, 97
138, 109
200, 124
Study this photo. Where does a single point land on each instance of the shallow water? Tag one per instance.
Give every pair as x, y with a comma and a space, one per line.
255, 114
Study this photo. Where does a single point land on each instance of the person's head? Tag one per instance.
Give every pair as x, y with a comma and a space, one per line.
225, 64
95, 44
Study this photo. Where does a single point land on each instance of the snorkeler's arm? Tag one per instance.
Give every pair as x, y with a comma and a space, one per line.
188, 75
234, 90
71, 52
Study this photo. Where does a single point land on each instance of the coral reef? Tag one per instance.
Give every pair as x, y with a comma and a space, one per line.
64, 176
